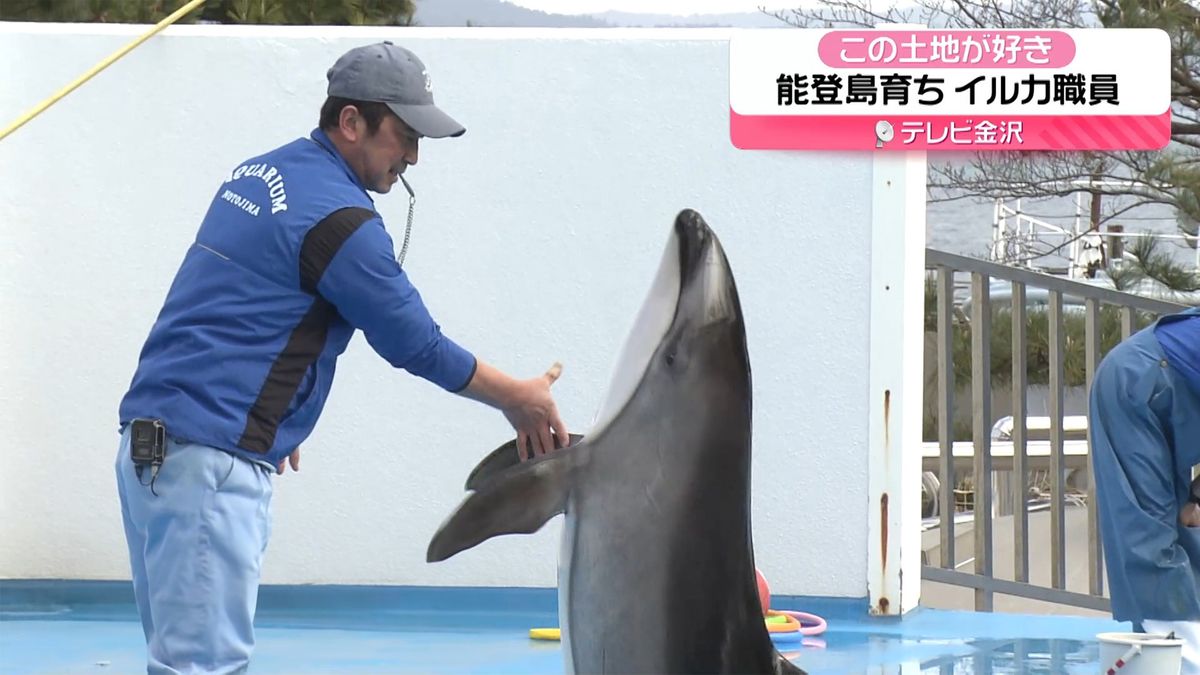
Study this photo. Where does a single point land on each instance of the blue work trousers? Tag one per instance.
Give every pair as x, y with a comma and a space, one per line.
1145, 426
196, 544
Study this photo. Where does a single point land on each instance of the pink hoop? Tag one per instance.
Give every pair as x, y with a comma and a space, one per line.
816, 625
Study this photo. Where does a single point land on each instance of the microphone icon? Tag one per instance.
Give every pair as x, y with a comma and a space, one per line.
883, 133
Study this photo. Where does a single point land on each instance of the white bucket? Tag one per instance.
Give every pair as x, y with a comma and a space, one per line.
1156, 654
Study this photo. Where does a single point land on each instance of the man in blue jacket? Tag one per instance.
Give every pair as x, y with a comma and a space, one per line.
289, 261
1144, 416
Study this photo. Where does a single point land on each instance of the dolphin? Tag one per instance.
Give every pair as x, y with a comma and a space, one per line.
656, 570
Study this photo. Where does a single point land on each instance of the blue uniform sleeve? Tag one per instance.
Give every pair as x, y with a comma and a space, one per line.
370, 290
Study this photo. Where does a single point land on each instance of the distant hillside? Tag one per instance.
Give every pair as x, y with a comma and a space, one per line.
495, 13
735, 20
500, 13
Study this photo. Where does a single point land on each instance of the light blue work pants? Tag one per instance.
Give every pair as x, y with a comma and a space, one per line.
195, 551
1145, 426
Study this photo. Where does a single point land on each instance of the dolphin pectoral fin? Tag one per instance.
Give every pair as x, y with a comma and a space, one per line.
502, 458
518, 500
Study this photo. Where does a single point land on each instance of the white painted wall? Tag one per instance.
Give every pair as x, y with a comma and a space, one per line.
536, 237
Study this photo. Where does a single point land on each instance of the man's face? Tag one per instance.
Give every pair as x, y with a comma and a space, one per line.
384, 155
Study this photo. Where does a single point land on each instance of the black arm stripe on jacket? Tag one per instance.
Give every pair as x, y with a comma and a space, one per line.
323, 241
307, 340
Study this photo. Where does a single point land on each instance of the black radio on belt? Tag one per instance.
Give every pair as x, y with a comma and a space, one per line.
147, 442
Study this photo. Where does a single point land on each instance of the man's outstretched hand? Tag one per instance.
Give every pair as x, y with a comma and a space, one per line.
527, 405
536, 419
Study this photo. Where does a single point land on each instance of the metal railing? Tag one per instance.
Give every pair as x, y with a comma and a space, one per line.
1063, 300
1022, 240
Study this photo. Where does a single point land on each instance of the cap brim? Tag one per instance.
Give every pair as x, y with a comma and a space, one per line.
428, 120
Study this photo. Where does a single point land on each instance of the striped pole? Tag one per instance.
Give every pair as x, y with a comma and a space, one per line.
108, 61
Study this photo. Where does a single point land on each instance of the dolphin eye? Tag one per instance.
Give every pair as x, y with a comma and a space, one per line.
670, 358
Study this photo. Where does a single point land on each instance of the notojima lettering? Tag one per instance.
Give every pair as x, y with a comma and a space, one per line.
240, 202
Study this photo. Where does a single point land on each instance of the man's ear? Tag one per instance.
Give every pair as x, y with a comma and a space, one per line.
348, 122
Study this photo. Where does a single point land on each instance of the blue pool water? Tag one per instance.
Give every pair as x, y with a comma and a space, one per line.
91, 627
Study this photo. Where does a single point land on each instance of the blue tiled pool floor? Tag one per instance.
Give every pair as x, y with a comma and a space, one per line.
416, 632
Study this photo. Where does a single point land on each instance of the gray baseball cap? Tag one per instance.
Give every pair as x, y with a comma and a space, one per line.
386, 73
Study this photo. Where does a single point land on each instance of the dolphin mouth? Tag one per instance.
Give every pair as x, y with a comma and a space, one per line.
706, 281
692, 264
695, 243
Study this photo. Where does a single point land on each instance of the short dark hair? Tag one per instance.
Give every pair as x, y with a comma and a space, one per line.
372, 111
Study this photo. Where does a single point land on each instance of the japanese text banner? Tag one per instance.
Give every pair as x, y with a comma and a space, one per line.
934, 89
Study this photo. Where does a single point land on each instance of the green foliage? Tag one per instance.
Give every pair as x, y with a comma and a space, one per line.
277, 12
1153, 263
256, 11
88, 11
1037, 340
1000, 342
375, 12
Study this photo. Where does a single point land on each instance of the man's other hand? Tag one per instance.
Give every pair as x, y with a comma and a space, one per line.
293, 459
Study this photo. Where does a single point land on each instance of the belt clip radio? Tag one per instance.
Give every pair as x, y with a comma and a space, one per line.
147, 446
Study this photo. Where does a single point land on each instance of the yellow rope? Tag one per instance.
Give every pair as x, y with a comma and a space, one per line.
175, 16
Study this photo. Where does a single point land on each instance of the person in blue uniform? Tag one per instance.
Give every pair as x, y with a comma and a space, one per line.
1144, 417
290, 260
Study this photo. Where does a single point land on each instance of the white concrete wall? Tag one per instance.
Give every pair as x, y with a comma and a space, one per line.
536, 237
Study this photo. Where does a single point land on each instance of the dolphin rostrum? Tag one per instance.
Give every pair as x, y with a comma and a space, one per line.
656, 570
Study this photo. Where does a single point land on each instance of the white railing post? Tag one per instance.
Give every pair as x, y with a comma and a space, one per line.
895, 381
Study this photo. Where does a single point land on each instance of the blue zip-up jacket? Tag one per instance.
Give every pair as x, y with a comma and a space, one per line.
290, 259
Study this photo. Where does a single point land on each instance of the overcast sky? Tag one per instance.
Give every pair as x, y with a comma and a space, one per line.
680, 7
